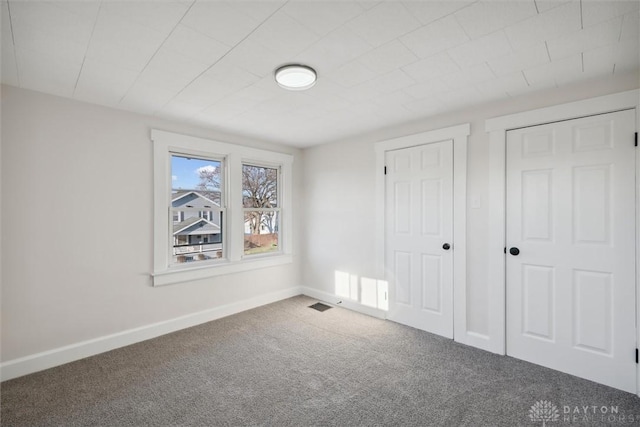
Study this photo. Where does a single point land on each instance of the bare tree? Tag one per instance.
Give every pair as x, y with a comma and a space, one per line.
209, 185
260, 190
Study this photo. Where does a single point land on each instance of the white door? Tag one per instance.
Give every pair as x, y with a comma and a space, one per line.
571, 215
418, 236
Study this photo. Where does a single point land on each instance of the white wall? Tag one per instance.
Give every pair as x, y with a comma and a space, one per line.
340, 193
77, 222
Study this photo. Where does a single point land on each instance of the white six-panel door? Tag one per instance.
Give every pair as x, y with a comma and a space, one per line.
418, 223
571, 215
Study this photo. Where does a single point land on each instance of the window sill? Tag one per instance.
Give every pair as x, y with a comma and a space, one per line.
178, 275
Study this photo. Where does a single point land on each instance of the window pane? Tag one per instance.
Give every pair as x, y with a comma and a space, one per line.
259, 187
261, 231
200, 175
197, 238
195, 214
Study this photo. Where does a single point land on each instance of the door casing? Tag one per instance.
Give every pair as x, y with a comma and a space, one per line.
459, 135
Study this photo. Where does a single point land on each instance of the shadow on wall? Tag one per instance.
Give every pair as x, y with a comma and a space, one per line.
370, 292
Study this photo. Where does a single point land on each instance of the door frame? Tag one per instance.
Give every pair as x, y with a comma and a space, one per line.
497, 128
459, 135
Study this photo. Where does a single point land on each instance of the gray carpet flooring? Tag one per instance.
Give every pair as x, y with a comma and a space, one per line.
285, 364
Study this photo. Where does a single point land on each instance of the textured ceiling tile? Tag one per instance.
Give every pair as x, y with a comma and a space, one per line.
516, 61
49, 30
487, 16
115, 29
627, 56
430, 11
385, 84
435, 37
283, 35
383, 23
161, 16
430, 68
323, 17
258, 10
103, 83
52, 20
174, 63
146, 99
500, 87
468, 76
589, 38
334, 50
600, 61
618, 57
515, 85
39, 42
560, 71
427, 89
203, 93
427, 106
545, 5
122, 42
388, 57
84, 9
545, 26
594, 12
462, 97
481, 50
368, 4
46, 73
255, 58
392, 81
351, 74
178, 110
157, 77
283, 104
231, 76
128, 56
394, 99
9, 71
220, 21
195, 45
630, 27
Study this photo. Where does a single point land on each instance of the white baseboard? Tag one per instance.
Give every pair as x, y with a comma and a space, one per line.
59, 356
343, 302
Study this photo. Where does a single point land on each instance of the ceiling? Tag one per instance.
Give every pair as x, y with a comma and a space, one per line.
380, 63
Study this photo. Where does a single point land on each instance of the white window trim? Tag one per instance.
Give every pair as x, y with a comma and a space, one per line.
497, 128
459, 134
165, 143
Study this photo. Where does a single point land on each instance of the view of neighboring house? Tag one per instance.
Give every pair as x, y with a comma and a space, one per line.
196, 227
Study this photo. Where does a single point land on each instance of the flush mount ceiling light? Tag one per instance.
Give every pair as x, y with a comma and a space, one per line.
296, 77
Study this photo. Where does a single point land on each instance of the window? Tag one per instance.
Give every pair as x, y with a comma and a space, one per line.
197, 207
218, 208
261, 209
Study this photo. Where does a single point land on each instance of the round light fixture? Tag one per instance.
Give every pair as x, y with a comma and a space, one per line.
296, 77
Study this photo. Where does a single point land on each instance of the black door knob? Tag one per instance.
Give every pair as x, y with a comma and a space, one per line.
446, 246
514, 251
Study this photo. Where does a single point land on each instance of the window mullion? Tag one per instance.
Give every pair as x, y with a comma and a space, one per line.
234, 203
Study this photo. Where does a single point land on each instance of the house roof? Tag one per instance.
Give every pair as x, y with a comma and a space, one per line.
179, 194
189, 222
